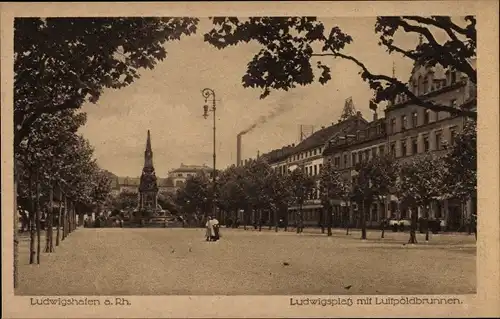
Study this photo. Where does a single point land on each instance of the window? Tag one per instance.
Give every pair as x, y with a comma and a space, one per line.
404, 123
415, 87
414, 146
179, 174
374, 213
336, 162
437, 210
453, 135
453, 77
427, 116
426, 86
393, 125
374, 152
439, 138
381, 150
403, 148
345, 160
414, 119
315, 150
426, 143
315, 169
393, 149
353, 158
320, 166
367, 155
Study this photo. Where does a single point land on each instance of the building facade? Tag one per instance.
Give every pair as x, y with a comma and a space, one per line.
180, 175
308, 156
408, 131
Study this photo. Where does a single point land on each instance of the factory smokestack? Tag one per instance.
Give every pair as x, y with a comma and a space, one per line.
238, 149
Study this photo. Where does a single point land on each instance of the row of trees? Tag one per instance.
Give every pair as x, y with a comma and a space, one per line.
60, 64
57, 178
258, 188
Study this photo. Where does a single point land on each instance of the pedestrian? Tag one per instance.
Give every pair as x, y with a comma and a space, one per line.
215, 224
210, 233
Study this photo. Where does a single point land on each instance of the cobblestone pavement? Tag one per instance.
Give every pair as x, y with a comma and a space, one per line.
178, 261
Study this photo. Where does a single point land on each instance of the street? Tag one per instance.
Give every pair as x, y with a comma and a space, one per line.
114, 261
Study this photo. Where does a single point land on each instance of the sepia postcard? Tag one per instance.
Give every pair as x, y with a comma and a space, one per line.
250, 159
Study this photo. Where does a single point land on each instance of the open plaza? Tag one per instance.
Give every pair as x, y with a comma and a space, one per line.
178, 261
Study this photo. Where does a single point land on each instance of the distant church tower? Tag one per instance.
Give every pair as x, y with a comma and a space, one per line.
348, 111
148, 188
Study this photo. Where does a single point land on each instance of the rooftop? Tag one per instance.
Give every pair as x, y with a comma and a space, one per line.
320, 137
191, 168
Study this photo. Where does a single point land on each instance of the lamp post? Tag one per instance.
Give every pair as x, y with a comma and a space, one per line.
209, 95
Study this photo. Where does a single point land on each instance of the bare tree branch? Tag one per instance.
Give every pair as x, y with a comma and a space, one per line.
403, 88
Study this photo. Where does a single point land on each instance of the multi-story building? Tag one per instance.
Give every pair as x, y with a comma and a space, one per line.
345, 151
180, 175
308, 156
409, 130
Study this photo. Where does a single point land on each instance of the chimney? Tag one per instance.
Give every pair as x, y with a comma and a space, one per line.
375, 116
238, 150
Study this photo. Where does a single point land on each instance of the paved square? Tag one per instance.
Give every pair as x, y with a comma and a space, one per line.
178, 261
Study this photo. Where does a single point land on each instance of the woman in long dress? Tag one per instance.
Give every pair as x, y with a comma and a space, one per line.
210, 233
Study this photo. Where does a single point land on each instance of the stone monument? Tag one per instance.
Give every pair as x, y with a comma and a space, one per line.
148, 187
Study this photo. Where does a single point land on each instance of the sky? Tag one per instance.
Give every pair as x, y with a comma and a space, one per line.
167, 100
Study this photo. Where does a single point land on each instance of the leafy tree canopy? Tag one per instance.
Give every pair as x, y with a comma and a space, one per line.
290, 45
60, 63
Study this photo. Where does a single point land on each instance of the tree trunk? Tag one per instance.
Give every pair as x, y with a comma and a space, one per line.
383, 220
16, 218
297, 218
363, 220
329, 218
413, 236
464, 211
59, 218
426, 223
64, 218
80, 218
38, 212
275, 213
286, 219
260, 219
32, 221
348, 219
322, 218
49, 247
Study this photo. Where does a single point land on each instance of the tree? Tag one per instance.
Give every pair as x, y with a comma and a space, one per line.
333, 185
279, 191
383, 172
420, 182
290, 45
461, 165
259, 175
362, 192
232, 196
126, 200
301, 187
60, 63
193, 196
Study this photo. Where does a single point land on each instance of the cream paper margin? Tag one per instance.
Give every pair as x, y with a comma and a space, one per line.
485, 303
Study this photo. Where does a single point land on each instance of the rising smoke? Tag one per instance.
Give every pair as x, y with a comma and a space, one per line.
285, 104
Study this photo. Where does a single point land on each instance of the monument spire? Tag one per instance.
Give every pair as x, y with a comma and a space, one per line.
148, 154
148, 187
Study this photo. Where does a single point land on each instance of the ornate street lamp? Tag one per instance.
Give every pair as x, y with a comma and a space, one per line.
209, 95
